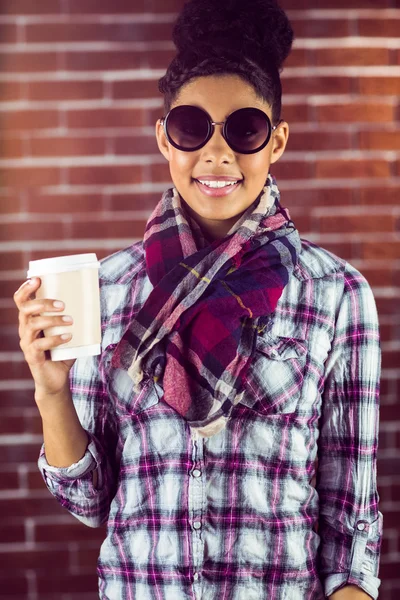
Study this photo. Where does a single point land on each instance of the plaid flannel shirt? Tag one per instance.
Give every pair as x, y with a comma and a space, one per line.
281, 504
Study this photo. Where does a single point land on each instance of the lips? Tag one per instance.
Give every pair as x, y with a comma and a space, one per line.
217, 192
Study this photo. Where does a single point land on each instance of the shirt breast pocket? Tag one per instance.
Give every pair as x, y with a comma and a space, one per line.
275, 378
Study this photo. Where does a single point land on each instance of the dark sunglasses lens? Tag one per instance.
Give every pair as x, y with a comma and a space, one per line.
187, 126
247, 129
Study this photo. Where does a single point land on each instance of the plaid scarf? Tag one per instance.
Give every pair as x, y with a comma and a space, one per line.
196, 333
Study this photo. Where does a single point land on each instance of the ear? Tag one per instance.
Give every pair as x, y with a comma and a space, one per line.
162, 142
279, 140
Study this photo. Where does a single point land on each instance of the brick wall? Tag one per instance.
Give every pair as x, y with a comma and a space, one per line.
80, 172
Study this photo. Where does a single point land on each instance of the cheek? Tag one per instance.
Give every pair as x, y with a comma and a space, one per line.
182, 163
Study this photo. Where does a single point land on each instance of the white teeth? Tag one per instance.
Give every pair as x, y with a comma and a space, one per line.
218, 184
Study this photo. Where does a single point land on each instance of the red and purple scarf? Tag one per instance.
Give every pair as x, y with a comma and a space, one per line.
196, 333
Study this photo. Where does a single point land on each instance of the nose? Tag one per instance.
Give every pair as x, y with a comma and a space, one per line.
217, 150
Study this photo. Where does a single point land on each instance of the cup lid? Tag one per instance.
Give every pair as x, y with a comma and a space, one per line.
72, 262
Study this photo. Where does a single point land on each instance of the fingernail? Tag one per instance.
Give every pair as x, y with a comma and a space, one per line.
32, 281
58, 304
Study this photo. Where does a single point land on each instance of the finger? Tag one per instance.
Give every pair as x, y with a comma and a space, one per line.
35, 353
25, 291
36, 325
38, 306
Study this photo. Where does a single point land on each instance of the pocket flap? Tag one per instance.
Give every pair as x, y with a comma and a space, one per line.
281, 348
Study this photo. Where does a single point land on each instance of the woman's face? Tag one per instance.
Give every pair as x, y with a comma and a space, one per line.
219, 96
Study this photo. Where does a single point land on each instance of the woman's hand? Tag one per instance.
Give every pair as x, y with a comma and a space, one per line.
51, 378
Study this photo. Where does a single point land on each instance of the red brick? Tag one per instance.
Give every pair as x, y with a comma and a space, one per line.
33, 424
297, 58
286, 169
294, 113
11, 534
105, 7
146, 88
34, 559
351, 56
387, 250
108, 229
306, 198
380, 86
379, 27
10, 424
106, 118
11, 90
30, 119
316, 85
373, 112
29, 62
25, 7
11, 148
157, 59
352, 168
390, 359
9, 204
68, 146
112, 60
385, 194
97, 32
9, 480
387, 307
47, 230
105, 175
160, 172
397, 167
16, 398
10, 586
344, 250
69, 532
64, 90
28, 453
35, 480
63, 584
30, 507
8, 33
319, 140
360, 223
87, 557
63, 203
134, 202
380, 140
25, 177
317, 28
379, 277
8, 316
135, 145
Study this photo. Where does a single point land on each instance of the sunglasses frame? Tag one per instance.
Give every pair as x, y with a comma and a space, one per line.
211, 129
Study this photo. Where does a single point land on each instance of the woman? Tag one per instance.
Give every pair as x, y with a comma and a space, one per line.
238, 361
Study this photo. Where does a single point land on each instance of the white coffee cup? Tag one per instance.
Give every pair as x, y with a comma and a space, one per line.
74, 280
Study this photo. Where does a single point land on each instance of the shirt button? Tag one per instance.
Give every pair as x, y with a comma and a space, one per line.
274, 353
196, 576
196, 473
361, 526
196, 525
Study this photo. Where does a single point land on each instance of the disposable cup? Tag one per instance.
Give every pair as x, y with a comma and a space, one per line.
74, 280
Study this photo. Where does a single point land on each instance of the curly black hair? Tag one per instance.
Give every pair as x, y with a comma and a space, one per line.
249, 38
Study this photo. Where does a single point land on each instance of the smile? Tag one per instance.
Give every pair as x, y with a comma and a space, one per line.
217, 188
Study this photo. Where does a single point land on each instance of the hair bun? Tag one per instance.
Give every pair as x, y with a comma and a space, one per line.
258, 29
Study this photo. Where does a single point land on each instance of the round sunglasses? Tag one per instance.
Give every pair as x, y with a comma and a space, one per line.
189, 128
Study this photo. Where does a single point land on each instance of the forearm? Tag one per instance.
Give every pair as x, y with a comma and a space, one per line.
350, 592
65, 440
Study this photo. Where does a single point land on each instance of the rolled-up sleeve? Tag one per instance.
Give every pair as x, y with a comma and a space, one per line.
73, 486
350, 524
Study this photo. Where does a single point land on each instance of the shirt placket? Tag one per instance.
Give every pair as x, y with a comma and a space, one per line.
196, 514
